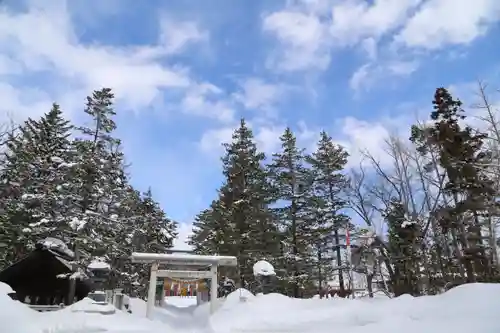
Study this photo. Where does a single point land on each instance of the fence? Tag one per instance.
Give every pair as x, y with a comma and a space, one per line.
46, 308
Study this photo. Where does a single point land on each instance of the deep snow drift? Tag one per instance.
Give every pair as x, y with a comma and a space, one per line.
470, 308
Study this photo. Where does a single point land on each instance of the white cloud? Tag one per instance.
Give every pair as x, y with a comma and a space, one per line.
439, 23
212, 140
207, 100
355, 20
304, 39
176, 36
309, 32
359, 135
370, 73
257, 94
137, 74
16, 104
184, 230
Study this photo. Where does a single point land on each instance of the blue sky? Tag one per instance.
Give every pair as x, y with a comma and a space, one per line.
185, 71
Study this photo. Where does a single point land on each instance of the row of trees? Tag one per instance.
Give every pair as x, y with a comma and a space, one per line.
70, 182
434, 201
288, 211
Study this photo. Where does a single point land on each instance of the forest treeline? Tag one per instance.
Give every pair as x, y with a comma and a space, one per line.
425, 217
434, 202
70, 182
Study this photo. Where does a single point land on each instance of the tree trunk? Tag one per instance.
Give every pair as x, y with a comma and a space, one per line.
369, 281
339, 262
320, 273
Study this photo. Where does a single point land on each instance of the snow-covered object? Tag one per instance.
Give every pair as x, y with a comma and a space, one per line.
407, 223
234, 298
263, 268
15, 316
99, 264
57, 245
463, 309
468, 308
88, 305
5, 289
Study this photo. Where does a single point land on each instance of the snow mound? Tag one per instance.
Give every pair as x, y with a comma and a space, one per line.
15, 316
236, 296
464, 309
180, 301
138, 306
88, 305
5, 289
263, 268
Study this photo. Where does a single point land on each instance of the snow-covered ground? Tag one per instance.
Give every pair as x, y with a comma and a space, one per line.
471, 308
180, 301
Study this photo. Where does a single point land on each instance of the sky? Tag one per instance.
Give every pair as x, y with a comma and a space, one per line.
185, 71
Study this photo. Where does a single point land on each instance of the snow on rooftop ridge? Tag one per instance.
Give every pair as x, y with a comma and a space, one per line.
57, 245
263, 268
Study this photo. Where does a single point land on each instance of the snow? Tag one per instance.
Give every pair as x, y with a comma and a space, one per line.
263, 268
98, 264
90, 306
180, 258
57, 245
180, 301
76, 224
407, 223
463, 309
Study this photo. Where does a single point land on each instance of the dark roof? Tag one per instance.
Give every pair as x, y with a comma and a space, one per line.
38, 273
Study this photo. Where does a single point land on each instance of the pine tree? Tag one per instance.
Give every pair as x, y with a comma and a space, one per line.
327, 163
35, 177
292, 182
244, 200
210, 228
93, 227
157, 231
404, 244
464, 159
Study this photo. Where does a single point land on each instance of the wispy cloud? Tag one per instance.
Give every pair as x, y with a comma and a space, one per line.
184, 75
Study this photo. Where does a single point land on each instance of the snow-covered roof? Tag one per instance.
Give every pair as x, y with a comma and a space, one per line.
183, 259
56, 245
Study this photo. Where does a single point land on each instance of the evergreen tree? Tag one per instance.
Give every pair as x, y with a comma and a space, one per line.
292, 182
157, 231
464, 159
244, 200
239, 222
327, 163
93, 228
404, 244
210, 228
34, 181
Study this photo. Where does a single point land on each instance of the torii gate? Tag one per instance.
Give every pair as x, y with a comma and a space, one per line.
182, 259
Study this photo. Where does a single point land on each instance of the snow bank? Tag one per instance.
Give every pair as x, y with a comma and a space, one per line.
464, 309
90, 306
180, 301
15, 316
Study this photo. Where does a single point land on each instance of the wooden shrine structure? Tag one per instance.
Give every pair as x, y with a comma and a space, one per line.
183, 266
42, 277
